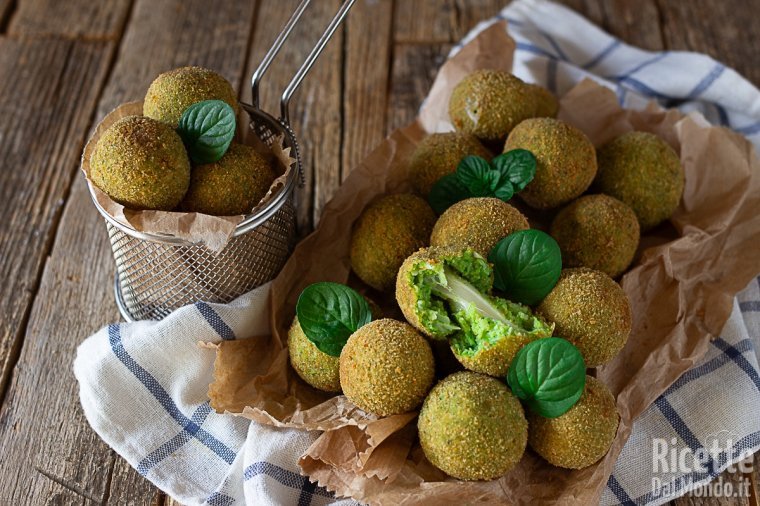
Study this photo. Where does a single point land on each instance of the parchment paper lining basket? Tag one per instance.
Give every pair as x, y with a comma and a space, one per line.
156, 274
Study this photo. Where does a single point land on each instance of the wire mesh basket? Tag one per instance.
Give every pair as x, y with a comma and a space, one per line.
156, 274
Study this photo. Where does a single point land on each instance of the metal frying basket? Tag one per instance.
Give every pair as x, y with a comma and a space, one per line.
156, 274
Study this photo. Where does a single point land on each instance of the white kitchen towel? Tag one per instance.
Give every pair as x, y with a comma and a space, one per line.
143, 385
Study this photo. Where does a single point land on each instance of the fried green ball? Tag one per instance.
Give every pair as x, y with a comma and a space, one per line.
489, 104
591, 311
438, 155
599, 232
232, 185
565, 161
546, 104
315, 367
174, 91
581, 436
388, 231
386, 367
643, 171
477, 223
142, 164
472, 427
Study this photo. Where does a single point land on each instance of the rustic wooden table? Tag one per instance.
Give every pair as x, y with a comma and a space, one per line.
63, 65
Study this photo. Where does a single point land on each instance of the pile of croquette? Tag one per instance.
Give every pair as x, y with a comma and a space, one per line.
145, 163
487, 296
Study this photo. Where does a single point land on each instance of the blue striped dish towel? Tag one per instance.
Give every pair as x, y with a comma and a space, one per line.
143, 385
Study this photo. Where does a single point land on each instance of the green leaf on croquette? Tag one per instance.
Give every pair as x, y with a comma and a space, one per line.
477, 175
504, 176
526, 265
207, 129
518, 166
446, 192
329, 313
548, 375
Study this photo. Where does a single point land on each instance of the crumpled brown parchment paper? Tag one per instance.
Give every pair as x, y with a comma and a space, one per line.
681, 291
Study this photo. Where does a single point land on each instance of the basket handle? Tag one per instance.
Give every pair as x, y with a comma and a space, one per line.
292, 86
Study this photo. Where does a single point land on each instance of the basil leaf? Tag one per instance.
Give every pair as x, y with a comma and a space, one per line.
476, 174
518, 166
329, 313
504, 192
207, 129
526, 265
548, 375
446, 192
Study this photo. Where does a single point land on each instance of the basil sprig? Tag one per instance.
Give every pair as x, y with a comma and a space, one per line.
504, 176
548, 375
526, 265
329, 313
207, 129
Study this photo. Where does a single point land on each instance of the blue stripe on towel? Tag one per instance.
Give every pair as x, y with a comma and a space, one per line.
216, 322
162, 396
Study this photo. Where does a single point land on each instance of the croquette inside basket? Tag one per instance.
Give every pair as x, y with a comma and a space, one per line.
680, 286
167, 259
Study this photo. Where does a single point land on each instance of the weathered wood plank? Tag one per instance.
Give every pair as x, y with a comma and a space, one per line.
43, 432
636, 22
367, 69
41, 423
315, 111
6, 8
128, 488
725, 30
469, 13
431, 21
72, 18
168, 34
48, 91
427, 21
414, 69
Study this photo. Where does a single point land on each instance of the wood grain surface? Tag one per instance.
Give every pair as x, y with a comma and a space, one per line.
63, 65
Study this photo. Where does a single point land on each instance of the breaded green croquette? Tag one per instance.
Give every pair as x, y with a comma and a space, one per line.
438, 155
489, 103
477, 223
643, 171
581, 436
386, 367
446, 292
565, 161
546, 104
315, 367
472, 427
591, 311
599, 232
174, 91
141, 164
232, 185
388, 231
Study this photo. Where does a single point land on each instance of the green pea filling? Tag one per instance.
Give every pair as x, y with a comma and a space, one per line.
453, 301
